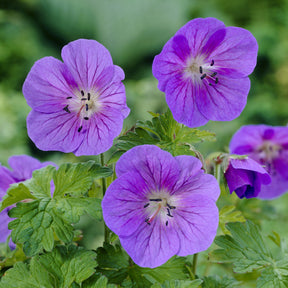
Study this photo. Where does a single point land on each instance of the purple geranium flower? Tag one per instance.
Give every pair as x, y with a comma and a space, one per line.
77, 106
268, 146
245, 177
161, 205
22, 168
203, 70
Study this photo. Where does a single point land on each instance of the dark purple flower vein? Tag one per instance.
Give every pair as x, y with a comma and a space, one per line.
95, 71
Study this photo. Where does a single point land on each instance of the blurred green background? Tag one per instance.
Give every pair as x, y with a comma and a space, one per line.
135, 31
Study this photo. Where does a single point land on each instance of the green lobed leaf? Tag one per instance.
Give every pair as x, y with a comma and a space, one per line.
72, 208
178, 284
36, 221
40, 220
172, 269
63, 267
20, 276
16, 194
76, 179
97, 282
116, 265
68, 264
164, 132
40, 183
229, 214
217, 282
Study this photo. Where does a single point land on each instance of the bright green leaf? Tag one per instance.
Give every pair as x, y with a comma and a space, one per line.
35, 224
229, 214
76, 179
21, 277
164, 132
16, 194
40, 183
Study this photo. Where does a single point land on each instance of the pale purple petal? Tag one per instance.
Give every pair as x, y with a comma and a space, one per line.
57, 131
238, 51
193, 180
4, 221
23, 166
157, 167
99, 134
277, 187
154, 246
124, 203
198, 31
181, 97
48, 84
224, 101
6, 178
197, 217
86, 60
246, 138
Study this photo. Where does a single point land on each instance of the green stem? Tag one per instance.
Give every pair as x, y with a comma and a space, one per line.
217, 173
195, 258
104, 187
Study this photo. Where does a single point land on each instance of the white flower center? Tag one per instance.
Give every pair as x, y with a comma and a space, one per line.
83, 104
160, 205
199, 70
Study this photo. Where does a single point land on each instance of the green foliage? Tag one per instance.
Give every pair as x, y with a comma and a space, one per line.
229, 214
247, 251
39, 217
216, 282
61, 268
178, 284
117, 266
164, 132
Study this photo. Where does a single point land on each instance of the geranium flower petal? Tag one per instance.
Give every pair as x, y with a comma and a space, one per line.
237, 51
86, 60
123, 207
193, 180
181, 97
157, 167
59, 131
152, 245
224, 101
197, 217
48, 84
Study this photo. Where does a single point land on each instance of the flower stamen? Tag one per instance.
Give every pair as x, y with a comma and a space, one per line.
66, 109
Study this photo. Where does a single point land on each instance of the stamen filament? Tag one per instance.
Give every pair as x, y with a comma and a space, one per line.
155, 214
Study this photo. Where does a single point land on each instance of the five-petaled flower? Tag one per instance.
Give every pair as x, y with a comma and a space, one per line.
161, 205
246, 177
22, 168
203, 70
268, 146
77, 106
